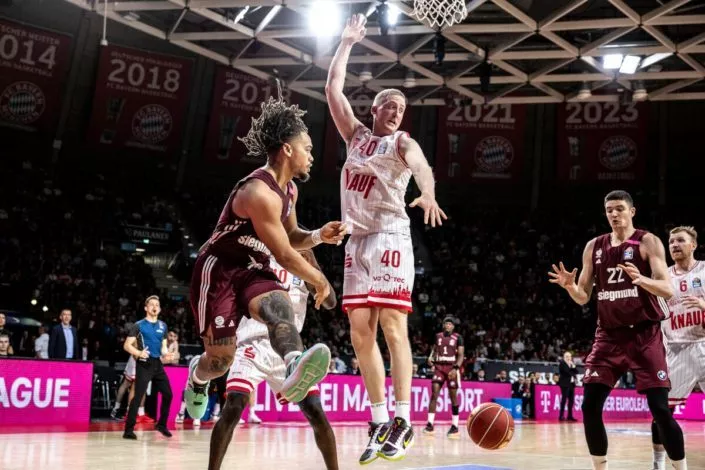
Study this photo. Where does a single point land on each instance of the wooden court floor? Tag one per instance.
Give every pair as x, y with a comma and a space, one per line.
289, 447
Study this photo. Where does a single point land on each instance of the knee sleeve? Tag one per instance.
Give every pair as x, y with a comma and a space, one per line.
595, 433
655, 437
669, 432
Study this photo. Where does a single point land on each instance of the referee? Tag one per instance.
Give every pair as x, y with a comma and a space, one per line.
146, 342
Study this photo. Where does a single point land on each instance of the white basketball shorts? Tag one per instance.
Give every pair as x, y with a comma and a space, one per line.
130, 369
379, 271
686, 367
255, 362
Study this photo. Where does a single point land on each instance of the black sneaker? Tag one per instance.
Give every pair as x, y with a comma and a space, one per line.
453, 433
163, 430
428, 429
400, 439
378, 434
129, 435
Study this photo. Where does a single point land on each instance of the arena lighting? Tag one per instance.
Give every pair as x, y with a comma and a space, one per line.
366, 74
241, 14
393, 15
653, 58
186, 237
324, 18
640, 93
584, 92
612, 61
410, 80
145, 241
45, 309
383, 18
33, 301
139, 250
630, 64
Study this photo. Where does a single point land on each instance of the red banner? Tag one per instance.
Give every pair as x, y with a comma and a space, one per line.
33, 66
140, 100
335, 149
237, 98
481, 142
602, 142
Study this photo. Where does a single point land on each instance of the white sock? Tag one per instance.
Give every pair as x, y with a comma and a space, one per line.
680, 464
599, 462
292, 356
182, 408
659, 457
431, 417
117, 406
456, 420
196, 379
216, 409
380, 414
140, 412
403, 410
252, 412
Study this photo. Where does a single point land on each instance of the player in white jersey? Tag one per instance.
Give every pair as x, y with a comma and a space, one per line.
684, 329
379, 258
255, 362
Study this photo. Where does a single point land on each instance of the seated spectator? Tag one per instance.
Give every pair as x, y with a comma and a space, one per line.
5, 345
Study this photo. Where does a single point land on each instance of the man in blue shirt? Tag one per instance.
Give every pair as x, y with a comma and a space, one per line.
63, 342
146, 342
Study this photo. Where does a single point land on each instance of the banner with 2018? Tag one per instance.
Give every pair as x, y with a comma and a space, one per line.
33, 66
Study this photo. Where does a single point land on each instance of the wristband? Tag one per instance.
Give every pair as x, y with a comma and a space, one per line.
316, 237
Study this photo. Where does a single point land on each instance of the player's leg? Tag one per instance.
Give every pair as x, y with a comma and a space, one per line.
595, 433
223, 430
453, 385
395, 328
322, 431
571, 402
363, 333
304, 368
252, 416
120, 395
142, 379
669, 431
436, 385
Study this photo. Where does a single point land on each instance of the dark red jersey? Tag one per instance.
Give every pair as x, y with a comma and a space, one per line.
234, 239
447, 348
619, 302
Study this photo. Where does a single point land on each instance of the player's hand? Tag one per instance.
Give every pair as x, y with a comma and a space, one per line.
322, 291
334, 232
144, 354
633, 272
694, 303
561, 276
354, 29
431, 211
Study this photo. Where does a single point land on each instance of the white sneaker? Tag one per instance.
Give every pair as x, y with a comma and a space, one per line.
215, 417
242, 421
180, 418
254, 419
196, 423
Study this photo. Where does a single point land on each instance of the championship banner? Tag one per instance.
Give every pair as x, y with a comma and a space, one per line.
33, 67
335, 148
481, 142
140, 100
602, 142
237, 97
344, 398
46, 395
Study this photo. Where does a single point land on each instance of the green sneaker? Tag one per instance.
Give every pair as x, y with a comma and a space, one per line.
195, 395
306, 371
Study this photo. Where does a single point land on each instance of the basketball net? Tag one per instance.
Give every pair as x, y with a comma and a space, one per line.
440, 13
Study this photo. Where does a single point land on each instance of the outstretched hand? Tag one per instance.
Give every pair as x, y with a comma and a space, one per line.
431, 210
334, 232
354, 29
561, 276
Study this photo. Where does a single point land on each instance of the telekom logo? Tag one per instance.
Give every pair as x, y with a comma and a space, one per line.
545, 400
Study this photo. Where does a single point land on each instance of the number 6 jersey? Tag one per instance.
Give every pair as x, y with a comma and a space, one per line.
619, 302
685, 325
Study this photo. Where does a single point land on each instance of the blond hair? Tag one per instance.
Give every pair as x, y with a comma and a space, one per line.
151, 297
689, 229
384, 95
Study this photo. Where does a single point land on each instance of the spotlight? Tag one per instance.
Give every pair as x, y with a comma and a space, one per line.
439, 48
640, 93
393, 15
584, 92
382, 18
324, 18
612, 61
45, 309
630, 64
33, 301
410, 80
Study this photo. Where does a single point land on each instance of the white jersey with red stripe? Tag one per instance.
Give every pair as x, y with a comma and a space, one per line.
250, 329
373, 184
685, 325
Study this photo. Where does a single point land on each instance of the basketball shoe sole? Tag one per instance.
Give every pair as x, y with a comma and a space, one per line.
196, 402
309, 368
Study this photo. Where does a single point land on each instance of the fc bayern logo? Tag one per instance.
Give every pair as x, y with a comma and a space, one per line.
152, 123
617, 153
22, 102
494, 154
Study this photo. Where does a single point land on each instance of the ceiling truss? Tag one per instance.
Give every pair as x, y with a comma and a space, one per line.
524, 71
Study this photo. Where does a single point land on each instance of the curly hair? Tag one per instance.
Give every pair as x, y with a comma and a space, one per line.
276, 125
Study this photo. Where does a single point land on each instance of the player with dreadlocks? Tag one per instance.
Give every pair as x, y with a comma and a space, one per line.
232, 275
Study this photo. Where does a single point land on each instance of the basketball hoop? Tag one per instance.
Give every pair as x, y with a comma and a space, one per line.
440, 13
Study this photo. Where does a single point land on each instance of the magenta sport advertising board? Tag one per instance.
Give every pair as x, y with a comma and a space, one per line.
344, 398
55, 395
621, 405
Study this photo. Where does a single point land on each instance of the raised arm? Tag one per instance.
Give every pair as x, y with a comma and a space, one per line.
423, 175
659, 283
339, 106
263, 207
580, 292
